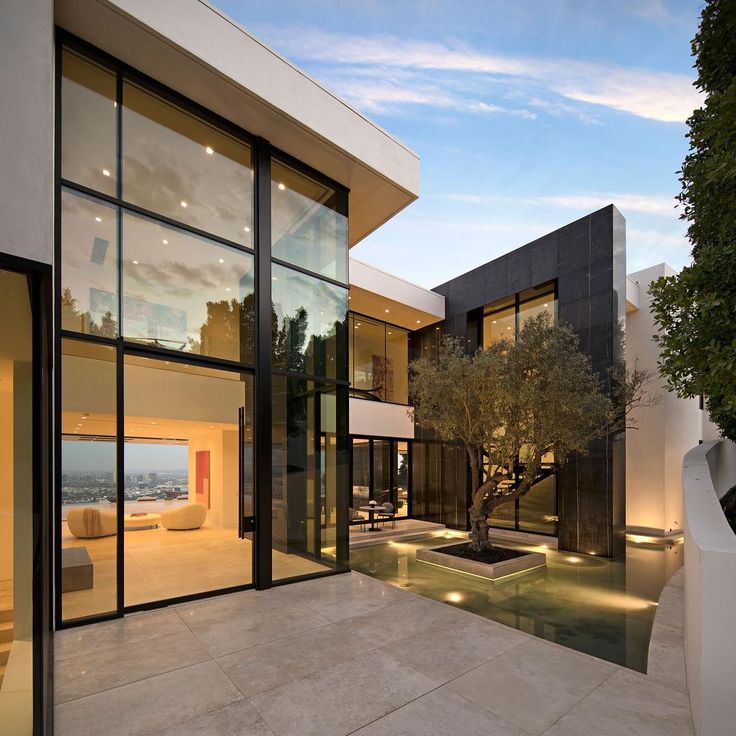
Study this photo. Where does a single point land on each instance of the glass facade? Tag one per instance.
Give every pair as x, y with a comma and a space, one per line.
380, 471
379, 360
537, 510
160, 247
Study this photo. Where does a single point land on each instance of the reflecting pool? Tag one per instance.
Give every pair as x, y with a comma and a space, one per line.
602, 607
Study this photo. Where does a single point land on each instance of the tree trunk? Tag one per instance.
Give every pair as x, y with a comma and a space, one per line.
478, 511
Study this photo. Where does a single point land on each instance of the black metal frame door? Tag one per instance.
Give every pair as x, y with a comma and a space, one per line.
246, 507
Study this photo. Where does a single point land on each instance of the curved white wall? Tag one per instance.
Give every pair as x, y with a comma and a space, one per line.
709, 470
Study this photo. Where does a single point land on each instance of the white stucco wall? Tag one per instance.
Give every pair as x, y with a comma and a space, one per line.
27, 125
709, 470
378, 419
655, 450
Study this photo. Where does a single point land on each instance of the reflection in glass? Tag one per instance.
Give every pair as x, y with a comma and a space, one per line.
16, 506
309, 333
499, 324
400, 482
185, 292
532, 307
88, 480
309, 475
309, 224
397, 365
177, 165
89, 265
368, 368
538, 507
361, 473
382, 472
88, 124
181, 479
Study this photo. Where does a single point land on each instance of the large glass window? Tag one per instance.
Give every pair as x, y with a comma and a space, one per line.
178, 165
16, 506
379, 366
89, 521
400, 481
185, 292
89, 265
361, 470
309, 225
88, 123
380, 472
309, 468
310, 323
181, 527
499, 323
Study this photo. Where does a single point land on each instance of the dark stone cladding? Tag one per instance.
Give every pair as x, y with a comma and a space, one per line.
587, 258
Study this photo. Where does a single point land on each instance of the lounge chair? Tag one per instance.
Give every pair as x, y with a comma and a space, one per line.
388, 514
357, 519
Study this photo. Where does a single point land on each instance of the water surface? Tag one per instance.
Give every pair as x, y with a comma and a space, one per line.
597, 606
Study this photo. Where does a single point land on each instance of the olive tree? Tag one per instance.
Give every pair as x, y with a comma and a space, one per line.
515, 403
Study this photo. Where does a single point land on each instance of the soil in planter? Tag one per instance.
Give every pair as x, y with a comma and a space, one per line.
728, 504
489, 556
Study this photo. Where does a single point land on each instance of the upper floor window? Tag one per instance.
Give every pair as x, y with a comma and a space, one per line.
504, 318
309, 224
379, 360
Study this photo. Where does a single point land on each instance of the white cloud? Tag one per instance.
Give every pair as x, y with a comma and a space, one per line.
655, 95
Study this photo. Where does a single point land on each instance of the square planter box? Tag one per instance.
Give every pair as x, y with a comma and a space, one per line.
494, 571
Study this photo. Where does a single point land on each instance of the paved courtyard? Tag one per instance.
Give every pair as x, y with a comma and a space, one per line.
343, 655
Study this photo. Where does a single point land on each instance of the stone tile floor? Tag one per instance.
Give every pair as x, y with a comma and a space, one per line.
343, 655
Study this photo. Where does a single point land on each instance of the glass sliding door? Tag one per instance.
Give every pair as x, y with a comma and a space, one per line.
380, 473
89, 520
182, 482
400, 482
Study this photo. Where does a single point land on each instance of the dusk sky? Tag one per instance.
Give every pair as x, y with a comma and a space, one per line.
526, 115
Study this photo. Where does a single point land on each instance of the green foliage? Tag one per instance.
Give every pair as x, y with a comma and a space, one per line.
516, 402
696, 310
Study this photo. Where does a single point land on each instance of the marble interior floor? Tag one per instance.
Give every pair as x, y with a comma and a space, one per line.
341, 655
162, 564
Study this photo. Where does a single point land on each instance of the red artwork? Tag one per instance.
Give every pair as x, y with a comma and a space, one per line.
203, 477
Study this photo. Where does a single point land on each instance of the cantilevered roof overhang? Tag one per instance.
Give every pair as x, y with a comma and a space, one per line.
376, 293
196, 50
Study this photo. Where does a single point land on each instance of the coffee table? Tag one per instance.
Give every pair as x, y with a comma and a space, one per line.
146, 521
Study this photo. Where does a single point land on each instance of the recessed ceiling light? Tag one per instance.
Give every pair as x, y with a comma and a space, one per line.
282, 186
212, 426
389, 333
386, 311
273, 278
359, 323
135, 263
494, 321
105, 172
222, 260
227, 288
98, 219
209, 150
183, 203
508, 328
165, 242
246, 229
419, 321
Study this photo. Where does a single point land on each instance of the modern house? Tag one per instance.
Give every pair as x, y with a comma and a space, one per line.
196, 382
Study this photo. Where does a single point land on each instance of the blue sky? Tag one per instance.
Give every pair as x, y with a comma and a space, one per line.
527, 114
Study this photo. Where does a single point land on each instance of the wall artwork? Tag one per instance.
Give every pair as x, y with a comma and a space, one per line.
202, 487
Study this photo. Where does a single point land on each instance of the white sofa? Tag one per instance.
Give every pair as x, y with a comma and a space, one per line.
88, 523
191, 516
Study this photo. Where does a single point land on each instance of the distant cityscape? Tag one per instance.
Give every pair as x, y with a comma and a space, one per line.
86, 487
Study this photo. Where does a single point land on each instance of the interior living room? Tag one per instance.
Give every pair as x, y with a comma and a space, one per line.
183, 426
